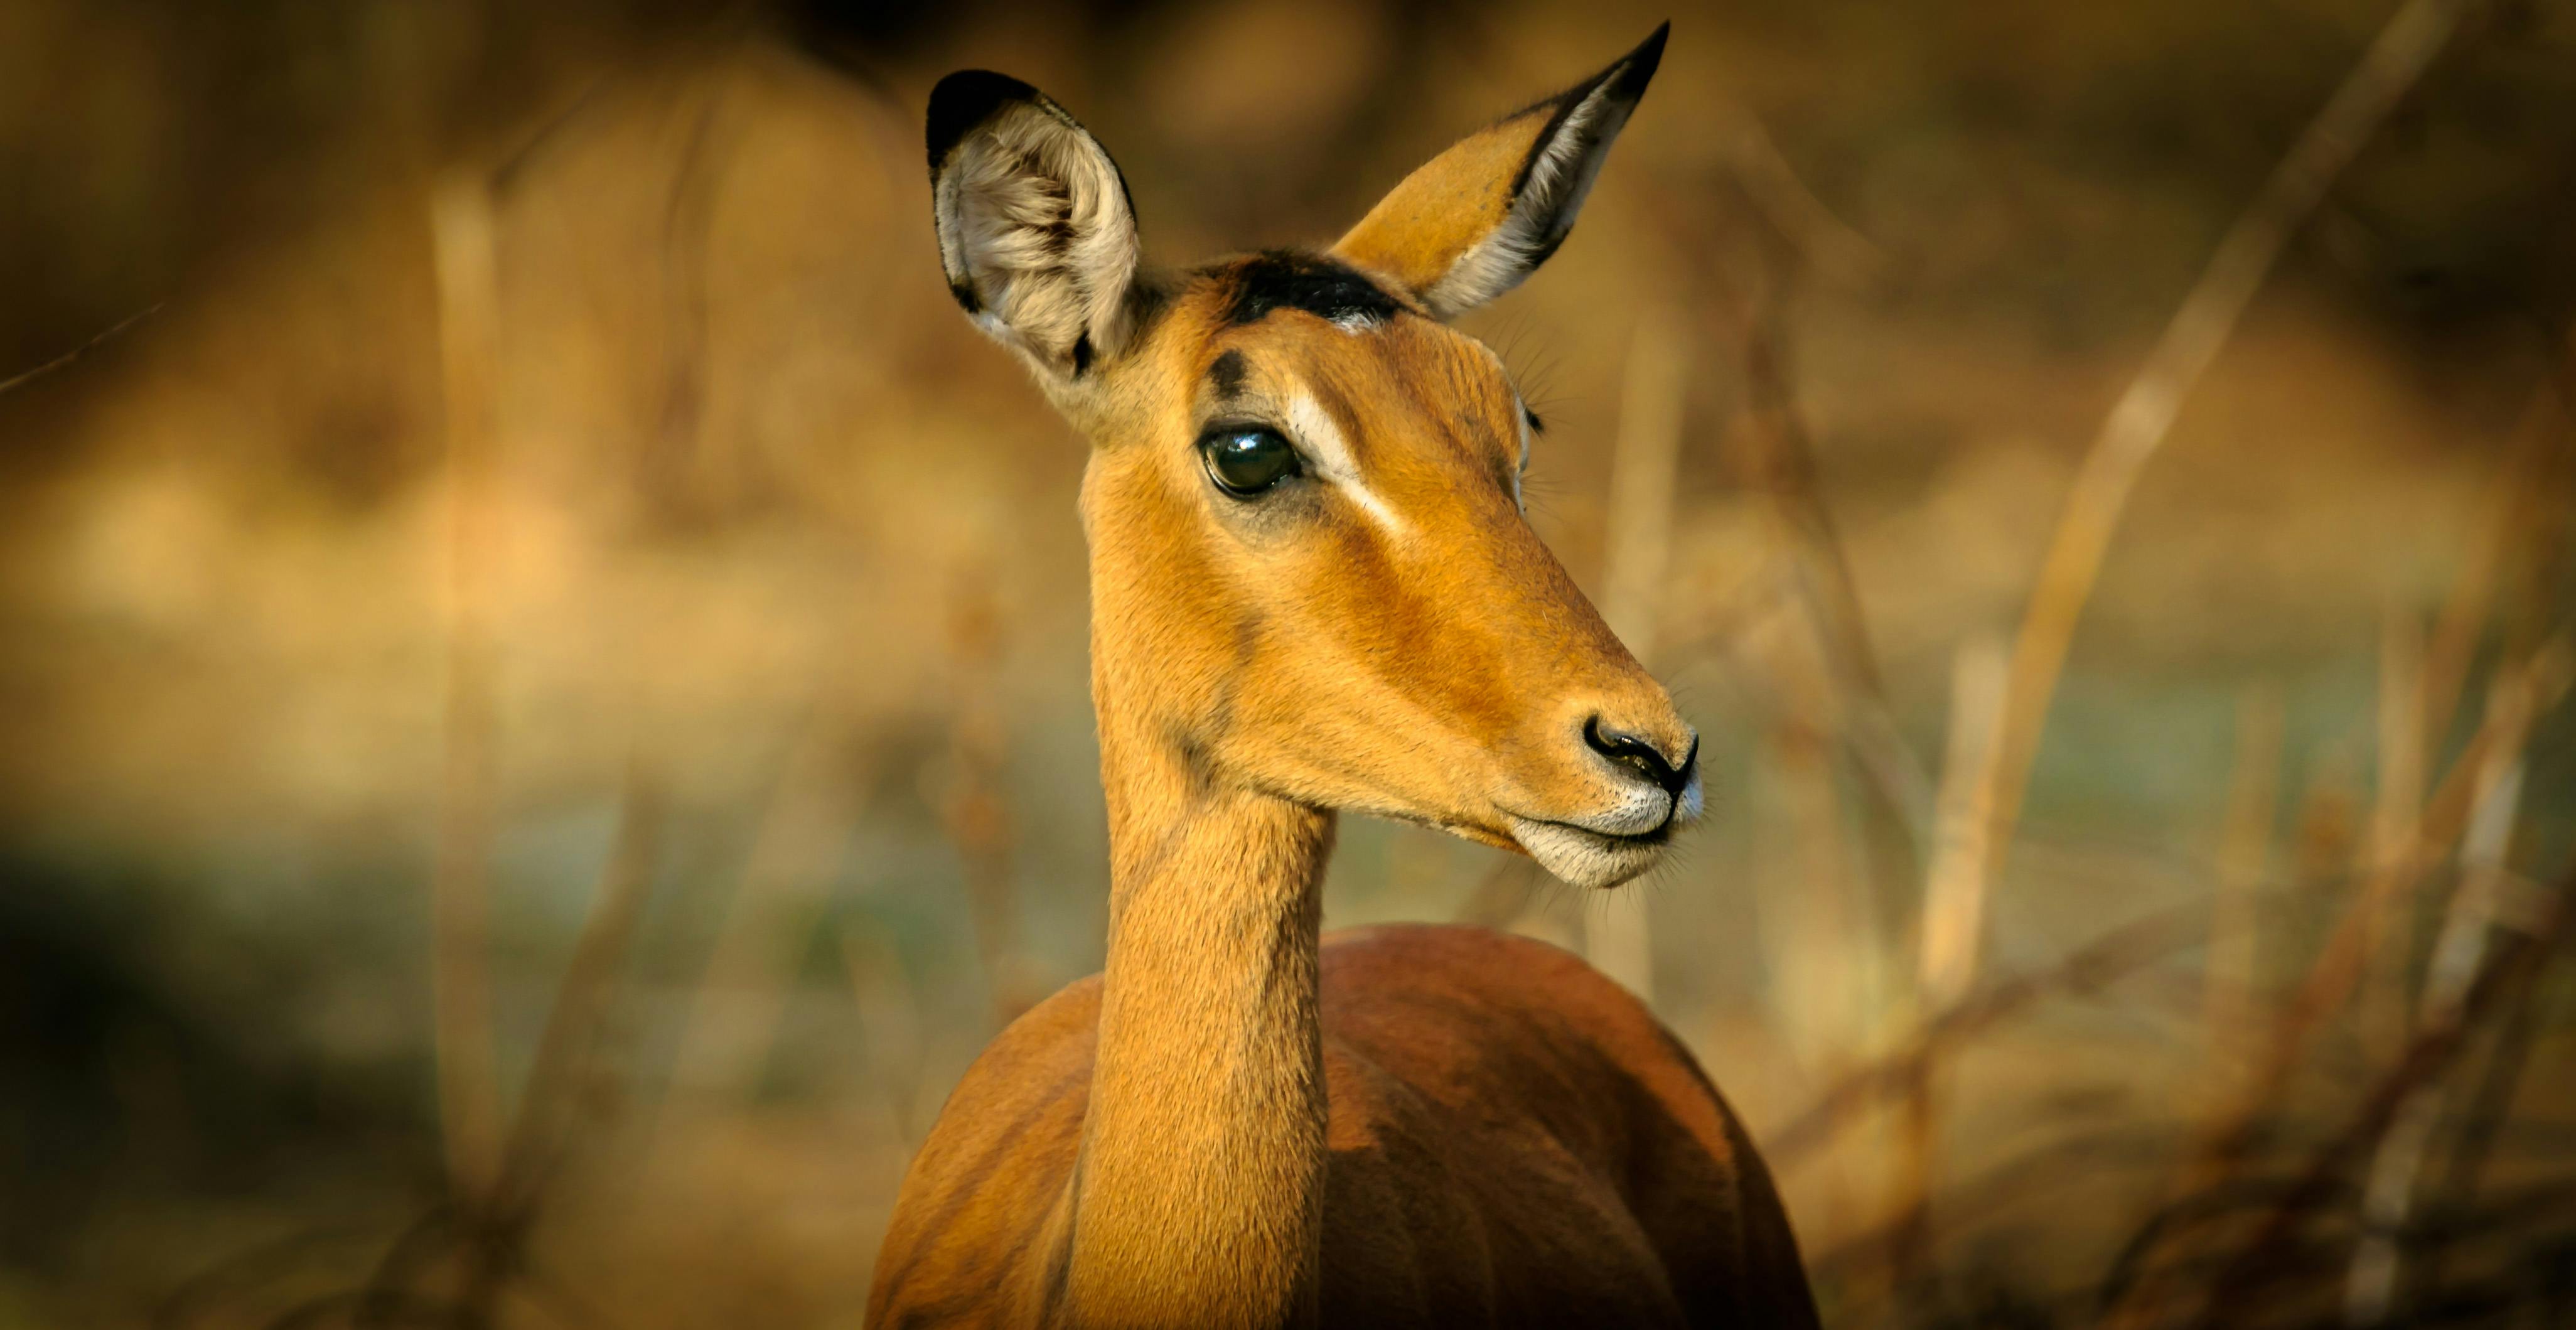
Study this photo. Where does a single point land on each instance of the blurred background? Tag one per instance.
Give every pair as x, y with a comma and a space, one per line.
543, 714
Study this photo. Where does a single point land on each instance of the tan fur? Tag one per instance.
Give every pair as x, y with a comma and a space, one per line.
1418, 232
1473, 221
1238, 1124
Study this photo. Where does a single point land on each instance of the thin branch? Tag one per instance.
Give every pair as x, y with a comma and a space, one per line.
2138, 425
1953, 927
2339, 964
568, 1049
889, 1014
2397, 810
2518, 503
976, 806
2504, 978
2388, 1204
1955, 894
1618, 939
2114, 955
65, 360
778, 901
2229, 1003
1786, 452
461, 226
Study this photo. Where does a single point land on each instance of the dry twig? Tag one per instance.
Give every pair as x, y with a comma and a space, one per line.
2114, 955
1954, 907
2370, 1291
462, 232
1617, 938
66, 359
2340, 962
2505, 977
2138, 424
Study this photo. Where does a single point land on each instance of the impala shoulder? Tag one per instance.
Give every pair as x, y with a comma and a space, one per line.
986, 1189
1017, 1112
1446, 953
1042, 1058
1505, 987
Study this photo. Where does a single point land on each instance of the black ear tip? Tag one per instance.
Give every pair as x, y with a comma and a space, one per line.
1638, 65
964, 100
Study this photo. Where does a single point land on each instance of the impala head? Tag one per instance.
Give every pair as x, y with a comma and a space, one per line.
1311, 570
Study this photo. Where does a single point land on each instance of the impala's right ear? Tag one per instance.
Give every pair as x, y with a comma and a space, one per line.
1475, 220
1035, 228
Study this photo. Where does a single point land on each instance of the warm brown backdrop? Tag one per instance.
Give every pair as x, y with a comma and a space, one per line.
542, 422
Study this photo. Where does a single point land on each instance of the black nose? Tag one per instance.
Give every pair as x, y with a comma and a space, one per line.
1632, 751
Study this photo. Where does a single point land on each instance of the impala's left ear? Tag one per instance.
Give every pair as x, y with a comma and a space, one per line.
1475, 220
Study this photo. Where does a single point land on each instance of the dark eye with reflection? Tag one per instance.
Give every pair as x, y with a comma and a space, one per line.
1244, 460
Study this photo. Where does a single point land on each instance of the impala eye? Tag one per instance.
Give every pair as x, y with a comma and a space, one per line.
1245, 460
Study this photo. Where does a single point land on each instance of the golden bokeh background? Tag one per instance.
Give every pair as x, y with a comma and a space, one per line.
542, 690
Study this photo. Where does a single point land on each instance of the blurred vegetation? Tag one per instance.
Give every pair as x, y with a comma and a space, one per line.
542, 664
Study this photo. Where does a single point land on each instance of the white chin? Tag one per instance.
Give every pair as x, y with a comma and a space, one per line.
1582, 858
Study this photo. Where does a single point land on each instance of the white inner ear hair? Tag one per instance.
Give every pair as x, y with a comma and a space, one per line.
1033, 219
1331, 454
1561, 173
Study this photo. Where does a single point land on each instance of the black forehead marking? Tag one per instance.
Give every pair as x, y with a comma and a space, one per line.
1226, 375
1284, 280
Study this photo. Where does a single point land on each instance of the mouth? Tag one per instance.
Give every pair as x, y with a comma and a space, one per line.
1583, 857
1662, 834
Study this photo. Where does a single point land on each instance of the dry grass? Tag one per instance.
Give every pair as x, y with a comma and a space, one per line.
607, 663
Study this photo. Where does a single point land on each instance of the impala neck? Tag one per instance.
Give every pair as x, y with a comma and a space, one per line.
1198, 1197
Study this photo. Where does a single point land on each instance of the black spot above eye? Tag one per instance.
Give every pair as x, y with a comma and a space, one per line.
1225, 377
1246, 460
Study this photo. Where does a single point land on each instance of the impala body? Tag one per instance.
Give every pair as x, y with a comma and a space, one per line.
1314, 589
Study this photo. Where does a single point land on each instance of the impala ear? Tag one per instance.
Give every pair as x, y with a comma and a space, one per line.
1475, 220
1036, 232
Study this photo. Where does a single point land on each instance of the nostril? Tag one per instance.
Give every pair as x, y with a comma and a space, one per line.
1640, 753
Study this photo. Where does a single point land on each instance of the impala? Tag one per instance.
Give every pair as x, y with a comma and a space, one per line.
1314, 589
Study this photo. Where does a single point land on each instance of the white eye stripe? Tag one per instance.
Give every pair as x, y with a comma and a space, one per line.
1331, 453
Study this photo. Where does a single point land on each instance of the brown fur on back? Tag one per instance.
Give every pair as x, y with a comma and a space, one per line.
1515, 1140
